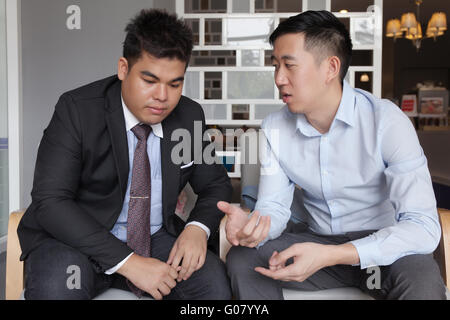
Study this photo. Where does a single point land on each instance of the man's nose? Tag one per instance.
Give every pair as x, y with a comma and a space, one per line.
280, 78
161, 92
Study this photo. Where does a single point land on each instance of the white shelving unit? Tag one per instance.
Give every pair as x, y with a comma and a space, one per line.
242, 32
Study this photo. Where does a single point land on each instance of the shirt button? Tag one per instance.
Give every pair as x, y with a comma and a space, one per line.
325, 172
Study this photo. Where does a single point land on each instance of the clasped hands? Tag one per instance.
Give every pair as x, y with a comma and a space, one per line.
157, 277
249, 232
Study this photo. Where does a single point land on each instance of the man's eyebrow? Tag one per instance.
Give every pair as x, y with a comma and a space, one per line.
285, 57
149, 74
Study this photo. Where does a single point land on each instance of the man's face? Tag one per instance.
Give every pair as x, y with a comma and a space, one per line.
299, 78
152, 87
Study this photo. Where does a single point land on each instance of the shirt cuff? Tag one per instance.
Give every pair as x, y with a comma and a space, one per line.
201, 225
368, 252
118, 266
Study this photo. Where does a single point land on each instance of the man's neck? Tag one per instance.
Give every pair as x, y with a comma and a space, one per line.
323, 115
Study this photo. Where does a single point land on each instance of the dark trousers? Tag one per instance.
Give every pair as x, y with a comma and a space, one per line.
50, 272
411, 277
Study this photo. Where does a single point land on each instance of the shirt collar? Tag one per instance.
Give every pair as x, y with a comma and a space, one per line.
345, 113
346, 110
131, 121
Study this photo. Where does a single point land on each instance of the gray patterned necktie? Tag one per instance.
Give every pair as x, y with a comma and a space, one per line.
138, 223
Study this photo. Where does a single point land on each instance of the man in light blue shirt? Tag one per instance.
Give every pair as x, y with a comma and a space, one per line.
364, 178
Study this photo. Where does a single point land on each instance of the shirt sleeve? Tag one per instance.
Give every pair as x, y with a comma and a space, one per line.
417, 229
201, 225
118, 266
275, 191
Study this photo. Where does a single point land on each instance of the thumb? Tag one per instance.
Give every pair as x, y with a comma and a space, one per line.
226, 208
283, 256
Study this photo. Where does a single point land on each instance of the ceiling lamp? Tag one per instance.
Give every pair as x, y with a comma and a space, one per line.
410, 27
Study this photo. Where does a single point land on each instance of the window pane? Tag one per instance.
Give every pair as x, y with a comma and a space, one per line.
250, 58
317, 4
192, 84
240, 112
213, 85
213, 31
215, 111
363, 30
350, 5
194, 25
241, 6
250, 85
278, 6
211, 58
262, 110
205, 6
246, 32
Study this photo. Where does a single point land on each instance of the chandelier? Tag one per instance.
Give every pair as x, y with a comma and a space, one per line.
412, 29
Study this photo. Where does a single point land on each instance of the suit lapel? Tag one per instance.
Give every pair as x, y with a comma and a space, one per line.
116, 126
170, 171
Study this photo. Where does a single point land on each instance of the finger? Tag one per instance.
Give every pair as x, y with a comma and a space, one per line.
228, 208
173, 273
258, 233
283, 256
177, 258
279, 274
272, 267
172, 253
185, 267
201, 262
233, 240
164, 289
247, 230
170, 282
190, 271
155, 294
266, 272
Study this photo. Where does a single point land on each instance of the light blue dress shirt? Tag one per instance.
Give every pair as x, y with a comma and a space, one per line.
368, 172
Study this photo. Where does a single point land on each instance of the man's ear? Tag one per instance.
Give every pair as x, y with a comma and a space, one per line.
334, 68
122, 68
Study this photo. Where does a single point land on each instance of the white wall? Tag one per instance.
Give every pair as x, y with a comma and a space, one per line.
56, 59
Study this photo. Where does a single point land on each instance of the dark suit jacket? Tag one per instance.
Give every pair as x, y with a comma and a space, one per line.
82, 170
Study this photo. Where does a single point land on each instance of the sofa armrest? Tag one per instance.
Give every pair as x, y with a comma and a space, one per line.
14, 267
442, 253
224, 244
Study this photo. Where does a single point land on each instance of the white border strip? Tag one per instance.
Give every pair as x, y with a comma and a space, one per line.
14, 67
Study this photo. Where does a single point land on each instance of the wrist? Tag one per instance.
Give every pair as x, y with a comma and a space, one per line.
345, 253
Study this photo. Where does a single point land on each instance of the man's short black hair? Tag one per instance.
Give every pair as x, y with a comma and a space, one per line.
158, 33
324, 34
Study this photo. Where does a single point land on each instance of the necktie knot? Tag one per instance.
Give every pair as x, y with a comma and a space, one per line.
141, 131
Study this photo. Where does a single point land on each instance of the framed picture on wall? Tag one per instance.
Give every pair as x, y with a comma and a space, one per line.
433, 101
432, 105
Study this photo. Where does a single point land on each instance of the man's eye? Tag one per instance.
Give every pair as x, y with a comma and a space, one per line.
149, 81
175, 85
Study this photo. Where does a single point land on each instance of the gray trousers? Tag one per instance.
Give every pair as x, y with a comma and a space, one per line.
411, 277
47, 275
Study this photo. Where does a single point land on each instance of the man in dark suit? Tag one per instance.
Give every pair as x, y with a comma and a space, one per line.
104, 195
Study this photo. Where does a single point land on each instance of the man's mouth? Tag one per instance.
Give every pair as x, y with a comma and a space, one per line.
286, 97
156, 110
